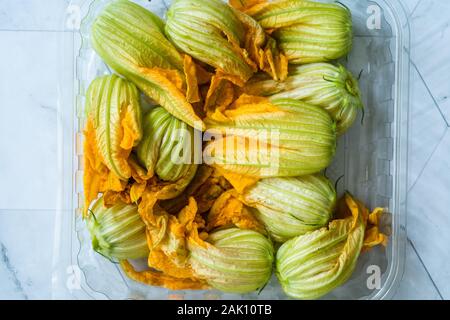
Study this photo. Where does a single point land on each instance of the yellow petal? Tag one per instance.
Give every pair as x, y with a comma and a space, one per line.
131, 134
145, 208
111, 198
201, 177
170, 94
245, 104
349, 206
190, 71
188, 214
154, 278
138, 173
355, 209
167, 234
136, 191
97, 177
375, 216
229, 210
262, 49
220, 95
161, 262
173, 76
373, 237
238, 181
242, 5
203, 76
275, 63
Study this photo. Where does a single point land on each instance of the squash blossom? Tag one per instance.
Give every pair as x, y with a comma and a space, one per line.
255, 75
117, 232
322, 84
290, 207
233, 260
113, 129
130, 39
167, 146
312, 265
306, 31
220, 36
260, 138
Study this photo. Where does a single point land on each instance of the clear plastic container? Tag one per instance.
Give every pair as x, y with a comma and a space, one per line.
372, 157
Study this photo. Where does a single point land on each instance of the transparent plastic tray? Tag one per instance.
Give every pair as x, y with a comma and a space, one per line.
372, 158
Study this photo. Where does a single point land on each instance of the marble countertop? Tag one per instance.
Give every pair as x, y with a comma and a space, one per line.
29, 77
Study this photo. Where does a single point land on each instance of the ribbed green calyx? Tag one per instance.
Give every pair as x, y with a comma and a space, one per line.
312, 265
210, 31
141, 30
290, 207
130, 39
293, 140
167, 146
113, 105
307, 31
118, 232
233, 260
322, 84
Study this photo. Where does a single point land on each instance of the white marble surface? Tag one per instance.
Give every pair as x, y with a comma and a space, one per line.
28, 64
29, 33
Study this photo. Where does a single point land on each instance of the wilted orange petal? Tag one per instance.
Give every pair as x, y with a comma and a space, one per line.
190, 71
229, 210
154, 278
238, 181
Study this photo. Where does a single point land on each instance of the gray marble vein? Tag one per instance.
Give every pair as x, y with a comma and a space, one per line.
6, 263
26, 253
411, 6
416, 283
431, 35
429, 276
429, 215
427, 127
